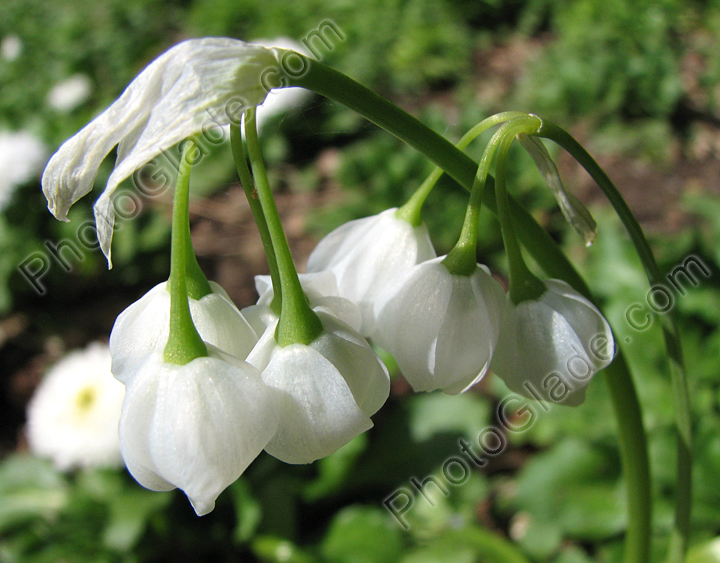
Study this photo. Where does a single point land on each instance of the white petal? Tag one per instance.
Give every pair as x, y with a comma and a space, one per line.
332, 387
137, 417
546, 346
368, 255
350, 353
321, 290
169, 101
319, 413
204, 424
440, 328
144, 327
73, 414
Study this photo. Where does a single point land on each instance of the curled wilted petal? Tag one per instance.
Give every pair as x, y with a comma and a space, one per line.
331, 388
144, 327
368, 255
574, 211
550, 347
196, 82
195, 427
441, 328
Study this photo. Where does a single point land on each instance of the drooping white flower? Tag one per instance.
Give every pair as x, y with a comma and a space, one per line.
69, 94
331, 388
197, 426
73, 415
283, 99
22, 156
144, 327
368, 255
321, 290
199, 81
441, 328
550, 348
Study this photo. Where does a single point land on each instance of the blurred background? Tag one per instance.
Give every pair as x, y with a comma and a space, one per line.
638, 83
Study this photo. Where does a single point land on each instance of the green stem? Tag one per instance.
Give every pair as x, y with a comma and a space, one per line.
683, 500
246, 180
410, 212
462, 259
332, 84
524, 284
298, 322
184, 343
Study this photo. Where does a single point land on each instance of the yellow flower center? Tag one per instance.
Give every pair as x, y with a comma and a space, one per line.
85, 400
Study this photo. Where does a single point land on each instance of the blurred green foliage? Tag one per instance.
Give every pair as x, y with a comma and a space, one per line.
621, 69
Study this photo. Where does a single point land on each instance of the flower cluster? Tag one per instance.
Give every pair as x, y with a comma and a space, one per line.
446, 330
208, 386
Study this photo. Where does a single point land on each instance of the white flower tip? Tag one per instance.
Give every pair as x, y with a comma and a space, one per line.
105, 223
202, 506
59, 212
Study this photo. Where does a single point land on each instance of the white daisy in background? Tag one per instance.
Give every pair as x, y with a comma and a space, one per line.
73, 415
11, 47
22, 157
282, 99
69, 94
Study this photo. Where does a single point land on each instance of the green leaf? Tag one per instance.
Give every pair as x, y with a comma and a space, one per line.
437, 413
247, 509
130, 512
274, 549
362, 534
334, 469
29, 488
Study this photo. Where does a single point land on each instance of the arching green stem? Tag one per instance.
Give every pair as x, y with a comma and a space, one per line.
523, 283
683, 500
411, 211
184, 343
328, 82
251, 193
298, 322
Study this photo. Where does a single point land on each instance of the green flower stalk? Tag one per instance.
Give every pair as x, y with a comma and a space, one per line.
184, 343
251, 193
298, 323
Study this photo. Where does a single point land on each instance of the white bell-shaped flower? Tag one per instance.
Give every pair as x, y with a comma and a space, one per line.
197, 426
331, 388
144, 327
441, 328
321, 291
368, 255
550, 347
197, 85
